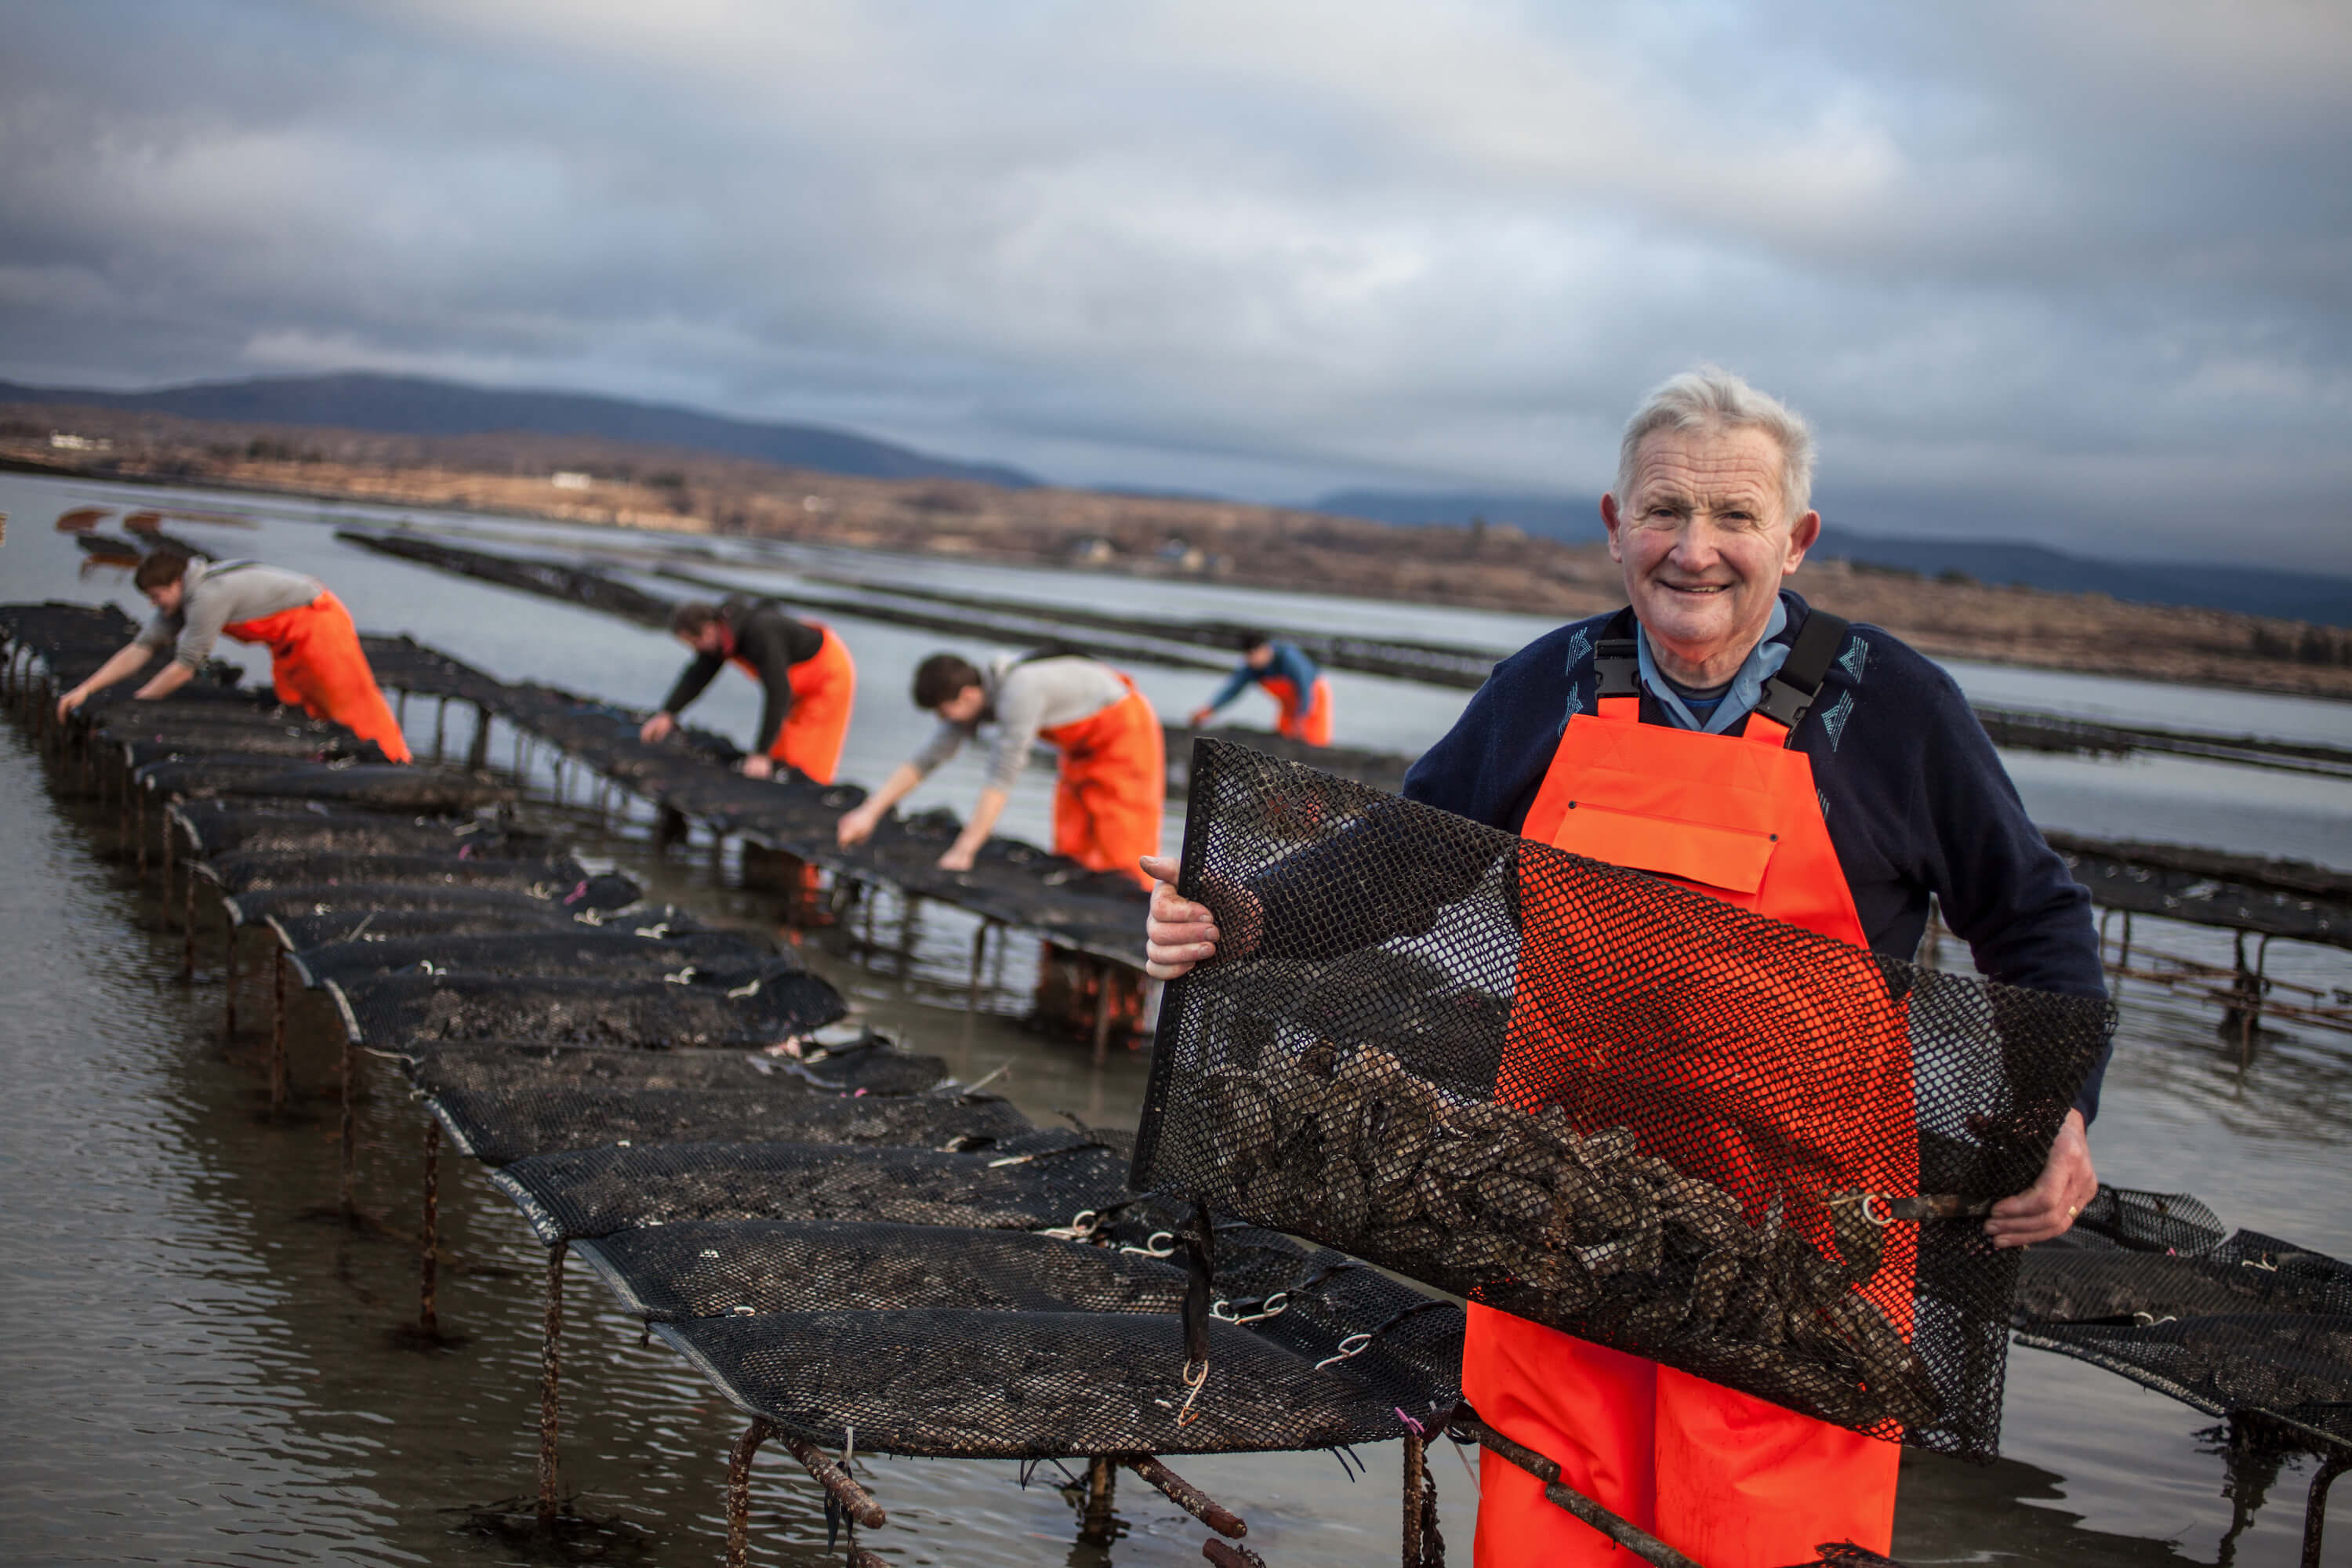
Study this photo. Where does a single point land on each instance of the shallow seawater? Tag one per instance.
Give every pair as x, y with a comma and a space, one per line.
202, 1372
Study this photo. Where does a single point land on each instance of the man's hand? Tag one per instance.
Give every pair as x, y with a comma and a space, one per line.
758, 765
857, 825
2048, 1207
959, 857
71, 701
1179, 933
1201, 716
656, 730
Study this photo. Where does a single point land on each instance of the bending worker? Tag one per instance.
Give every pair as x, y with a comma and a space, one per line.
315, 662
1715, 715
1114, 766
807, 681
1289, 677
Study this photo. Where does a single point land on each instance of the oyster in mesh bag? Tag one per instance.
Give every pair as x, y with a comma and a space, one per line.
1584, 1231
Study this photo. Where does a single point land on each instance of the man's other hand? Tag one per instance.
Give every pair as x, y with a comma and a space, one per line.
71, 701
1201, 717
957, 859
759, 766
2047, 1209
1179, 933
656, 730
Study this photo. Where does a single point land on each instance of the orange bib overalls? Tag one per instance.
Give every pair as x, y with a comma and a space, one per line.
824, 690
1113, 786
1306, 717
1729, 1479
316, 664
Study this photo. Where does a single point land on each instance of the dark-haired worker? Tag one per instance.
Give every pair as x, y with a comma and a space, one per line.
315, 660
807, 681
1289, 677
1720, 732
1114, 766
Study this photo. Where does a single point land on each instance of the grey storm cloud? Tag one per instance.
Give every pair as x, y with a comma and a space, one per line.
2072, 273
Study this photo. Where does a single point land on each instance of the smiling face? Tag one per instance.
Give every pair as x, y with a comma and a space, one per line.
1704, 540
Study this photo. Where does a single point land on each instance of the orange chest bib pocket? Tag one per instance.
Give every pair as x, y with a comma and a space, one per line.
1709, 857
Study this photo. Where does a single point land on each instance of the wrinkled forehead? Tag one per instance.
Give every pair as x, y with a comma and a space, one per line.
1713, 466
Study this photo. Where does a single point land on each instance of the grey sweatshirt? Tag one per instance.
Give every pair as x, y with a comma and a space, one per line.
1024, 699
217, 594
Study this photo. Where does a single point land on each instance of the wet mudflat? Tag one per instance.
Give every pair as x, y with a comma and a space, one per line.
200, 1373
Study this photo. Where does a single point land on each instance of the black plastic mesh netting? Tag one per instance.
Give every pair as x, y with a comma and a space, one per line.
221, 827
595, 1192
2149, 1286
384, 786
239, 870
1025, 1385
305, 922
609, 951
393, 1010
710, 1269
878, 1069
1602, 1101
603, 896
501, 1126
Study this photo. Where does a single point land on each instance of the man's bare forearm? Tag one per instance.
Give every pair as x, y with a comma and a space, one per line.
168, 679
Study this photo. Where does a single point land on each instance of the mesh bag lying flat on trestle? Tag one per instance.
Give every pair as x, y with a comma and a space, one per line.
1012, 1385
613, 952
239, 870
1600, 1101
320, 917
595, 1192
601, 896
714, 1269
219, 827
258, 745
508, 1065
501, 1126
386, 787
783, 1002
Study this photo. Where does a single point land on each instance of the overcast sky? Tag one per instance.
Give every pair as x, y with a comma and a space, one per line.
2076, 273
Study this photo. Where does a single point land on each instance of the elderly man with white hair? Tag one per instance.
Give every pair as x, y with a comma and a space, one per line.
1720, 732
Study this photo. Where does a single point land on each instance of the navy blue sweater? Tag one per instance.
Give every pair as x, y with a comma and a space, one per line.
1914, 797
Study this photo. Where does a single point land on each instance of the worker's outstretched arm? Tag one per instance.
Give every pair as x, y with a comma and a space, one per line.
121, 666
966, 848
168, 679
859, 823
1234, 685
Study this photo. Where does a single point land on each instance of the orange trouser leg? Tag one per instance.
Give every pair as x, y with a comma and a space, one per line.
1590, 1409
1729, 1480
824, 690
315, 660
1746, 1484
1113, 788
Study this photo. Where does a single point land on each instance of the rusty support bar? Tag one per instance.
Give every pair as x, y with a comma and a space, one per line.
228, 982
551, 1353
1102, 1012
440, 726
428, 1260
2315, 1510
187, 923
351, 1203
140, 830
477, 754
1641, 1543
1416, 1452
979, 957
739, 1491
276, 1025
1225, 1554
1095, 1524
854, 1499
1187, 1495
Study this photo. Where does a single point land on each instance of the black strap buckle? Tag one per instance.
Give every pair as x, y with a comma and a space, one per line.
1617, 665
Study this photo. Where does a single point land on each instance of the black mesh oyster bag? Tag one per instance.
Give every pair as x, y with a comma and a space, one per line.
1605, 1102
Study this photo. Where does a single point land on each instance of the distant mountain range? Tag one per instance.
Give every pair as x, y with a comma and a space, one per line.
2250, 590
416, 405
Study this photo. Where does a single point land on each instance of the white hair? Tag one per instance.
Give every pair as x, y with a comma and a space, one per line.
1711, 397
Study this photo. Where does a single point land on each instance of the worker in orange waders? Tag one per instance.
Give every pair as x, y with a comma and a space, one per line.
1114, 765
807, 681
315, 661
1300, 693
1721, 734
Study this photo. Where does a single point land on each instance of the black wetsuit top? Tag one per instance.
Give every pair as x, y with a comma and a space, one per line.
771, 642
